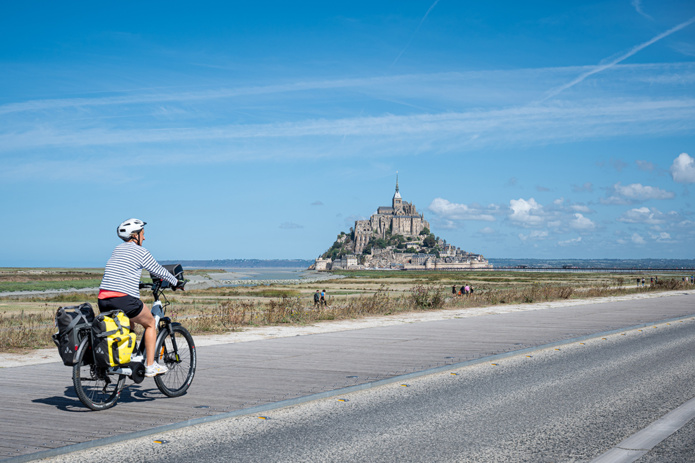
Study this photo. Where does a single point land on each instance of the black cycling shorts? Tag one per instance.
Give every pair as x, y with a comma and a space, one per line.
131, 306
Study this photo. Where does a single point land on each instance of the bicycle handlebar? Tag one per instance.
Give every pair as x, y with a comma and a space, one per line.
159, 285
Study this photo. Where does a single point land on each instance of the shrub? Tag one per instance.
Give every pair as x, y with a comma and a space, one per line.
427, 297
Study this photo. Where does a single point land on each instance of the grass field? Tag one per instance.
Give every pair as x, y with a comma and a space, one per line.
27, 322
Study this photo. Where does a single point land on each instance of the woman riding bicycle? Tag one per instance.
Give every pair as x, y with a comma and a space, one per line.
119, 289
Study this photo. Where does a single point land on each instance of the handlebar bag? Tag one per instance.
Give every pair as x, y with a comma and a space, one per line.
174, 269
114, 341
71, 322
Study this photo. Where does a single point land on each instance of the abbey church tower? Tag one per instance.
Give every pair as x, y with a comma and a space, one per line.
397, 202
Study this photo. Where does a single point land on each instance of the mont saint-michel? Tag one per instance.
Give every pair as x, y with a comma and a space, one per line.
396, 237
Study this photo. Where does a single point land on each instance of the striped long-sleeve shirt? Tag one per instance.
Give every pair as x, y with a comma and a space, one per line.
124, 268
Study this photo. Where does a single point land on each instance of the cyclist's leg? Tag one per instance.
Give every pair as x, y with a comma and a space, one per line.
147, 321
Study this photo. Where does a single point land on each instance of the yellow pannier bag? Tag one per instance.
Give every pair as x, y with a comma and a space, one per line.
113, 340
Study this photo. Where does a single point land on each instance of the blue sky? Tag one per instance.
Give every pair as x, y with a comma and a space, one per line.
262, 129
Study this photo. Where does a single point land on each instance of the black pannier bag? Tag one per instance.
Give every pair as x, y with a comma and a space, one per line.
70, 321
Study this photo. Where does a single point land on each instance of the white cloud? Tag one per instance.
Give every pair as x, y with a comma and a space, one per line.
290, 226
637, 239
618, 164
452, 211
526, 212
570, 241
646, 166
581, 208
586, 187
662, 237
530, 125
581, 223
643, 215
635, 192
534, 235
683, 169
641, 192
487, 231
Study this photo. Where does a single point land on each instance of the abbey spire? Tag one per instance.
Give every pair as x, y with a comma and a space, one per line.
397, 202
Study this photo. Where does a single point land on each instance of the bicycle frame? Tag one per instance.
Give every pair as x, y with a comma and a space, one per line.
163, 324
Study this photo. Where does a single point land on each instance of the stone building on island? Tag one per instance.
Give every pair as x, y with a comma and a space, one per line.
399, 219
396, 237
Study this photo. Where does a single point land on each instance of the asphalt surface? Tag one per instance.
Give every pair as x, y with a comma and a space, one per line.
564, 404
43, 418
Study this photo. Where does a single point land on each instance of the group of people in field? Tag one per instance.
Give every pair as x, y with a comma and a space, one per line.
685, 279
466, 290
320, 298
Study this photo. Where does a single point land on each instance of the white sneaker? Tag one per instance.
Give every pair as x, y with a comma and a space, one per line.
155, 369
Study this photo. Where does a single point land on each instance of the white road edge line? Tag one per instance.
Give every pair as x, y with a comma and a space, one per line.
640, 443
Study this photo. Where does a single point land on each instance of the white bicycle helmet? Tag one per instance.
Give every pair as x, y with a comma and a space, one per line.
130, 226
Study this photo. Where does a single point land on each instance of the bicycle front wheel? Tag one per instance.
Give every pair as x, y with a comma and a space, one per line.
176, 351
96, 389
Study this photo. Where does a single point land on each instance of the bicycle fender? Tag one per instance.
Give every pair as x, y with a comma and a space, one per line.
81, 350
163, 331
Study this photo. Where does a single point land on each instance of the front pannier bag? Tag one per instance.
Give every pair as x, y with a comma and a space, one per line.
113, 339
70, 322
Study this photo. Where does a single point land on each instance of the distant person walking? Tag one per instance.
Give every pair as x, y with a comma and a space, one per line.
323, 298
453, 290
317, 298
468, 290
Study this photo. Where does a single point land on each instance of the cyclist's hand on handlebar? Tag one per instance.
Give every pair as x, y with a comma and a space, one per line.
180, 285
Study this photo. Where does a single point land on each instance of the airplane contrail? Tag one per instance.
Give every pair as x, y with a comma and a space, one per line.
617, 60
416, 29
637, 4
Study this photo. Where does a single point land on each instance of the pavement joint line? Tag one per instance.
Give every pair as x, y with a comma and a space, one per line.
113, 439
641, 442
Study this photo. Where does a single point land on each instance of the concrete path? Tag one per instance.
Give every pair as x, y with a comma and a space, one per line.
40, 410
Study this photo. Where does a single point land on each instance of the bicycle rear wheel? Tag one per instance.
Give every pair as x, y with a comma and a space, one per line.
180, 360
96, 389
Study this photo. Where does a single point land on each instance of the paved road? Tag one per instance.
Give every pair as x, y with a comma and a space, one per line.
564, 405
40, 411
